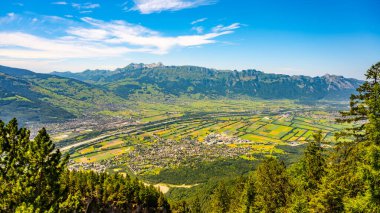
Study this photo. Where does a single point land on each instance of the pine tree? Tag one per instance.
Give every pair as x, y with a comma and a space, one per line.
34, 178
365, 107
196, 206
30, 170
220, 199
272, 185
162, 203
314, 162
342, 181
353, 180
183, 207
44, 171
248, 195
13, 146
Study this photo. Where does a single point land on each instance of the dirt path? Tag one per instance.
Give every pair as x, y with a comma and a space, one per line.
164, 187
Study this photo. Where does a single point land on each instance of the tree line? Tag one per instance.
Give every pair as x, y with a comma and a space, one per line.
34, 178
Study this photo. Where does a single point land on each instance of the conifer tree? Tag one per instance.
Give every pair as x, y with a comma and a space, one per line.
342, 181
353, 180
34, 178
13, 146
220, 199
44, 171
314, 162
30, 170
196, 206
248, 196
365, 107
272, 185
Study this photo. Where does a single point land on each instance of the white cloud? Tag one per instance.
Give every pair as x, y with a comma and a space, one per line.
60, 3
221, 28
198, 21
22, 45
10, 17
85, 6
82, 7
198, 29
85, 11
156, 6
94, 38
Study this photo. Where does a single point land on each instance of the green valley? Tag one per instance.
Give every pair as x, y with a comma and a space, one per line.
183, 143
189, 106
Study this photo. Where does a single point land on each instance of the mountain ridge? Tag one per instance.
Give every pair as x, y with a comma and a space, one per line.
159, 64
214, 82
60, 96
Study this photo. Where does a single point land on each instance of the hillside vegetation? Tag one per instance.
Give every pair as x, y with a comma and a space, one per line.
34, 178
44, 98
67, 95
190, 80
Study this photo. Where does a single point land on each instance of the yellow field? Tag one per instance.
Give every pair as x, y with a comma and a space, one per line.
87, 150
273, 130
261, 139
111, 143
102, 155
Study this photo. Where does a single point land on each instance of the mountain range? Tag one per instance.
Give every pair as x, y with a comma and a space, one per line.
63, 95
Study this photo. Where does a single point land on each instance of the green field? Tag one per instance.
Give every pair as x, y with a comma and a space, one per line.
188, 134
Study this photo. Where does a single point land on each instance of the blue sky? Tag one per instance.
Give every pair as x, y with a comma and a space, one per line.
309, 37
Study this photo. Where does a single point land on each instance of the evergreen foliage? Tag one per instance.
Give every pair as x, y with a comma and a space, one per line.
272, 185
34, 178
314, 162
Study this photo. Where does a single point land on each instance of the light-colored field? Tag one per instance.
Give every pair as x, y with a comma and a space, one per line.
87, 150
60, 137
109, 144
261, 139
264, 131
104, 155
164, 188
273, 130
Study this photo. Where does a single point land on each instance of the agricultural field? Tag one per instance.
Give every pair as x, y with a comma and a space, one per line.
159, 138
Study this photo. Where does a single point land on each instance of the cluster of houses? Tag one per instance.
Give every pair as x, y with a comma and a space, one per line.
171, 153
221, 138
98, 167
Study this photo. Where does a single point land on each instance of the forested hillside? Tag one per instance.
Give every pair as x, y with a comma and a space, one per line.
44, 98
34, 178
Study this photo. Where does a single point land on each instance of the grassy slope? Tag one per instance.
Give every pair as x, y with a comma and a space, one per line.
45, 98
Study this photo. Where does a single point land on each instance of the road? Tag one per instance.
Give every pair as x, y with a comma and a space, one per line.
135, 128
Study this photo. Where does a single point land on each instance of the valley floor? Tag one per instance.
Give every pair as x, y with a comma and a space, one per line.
160, 141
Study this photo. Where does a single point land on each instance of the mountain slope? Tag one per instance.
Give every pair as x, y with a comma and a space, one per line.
59, 96
17, 99
42, 97
188, 80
